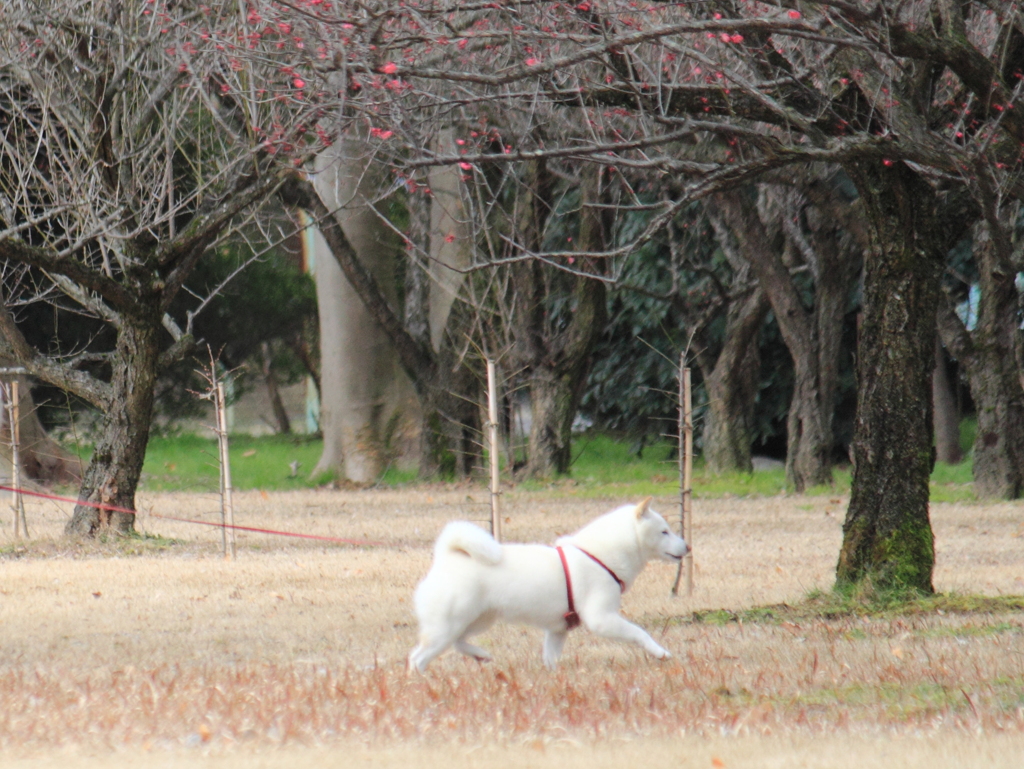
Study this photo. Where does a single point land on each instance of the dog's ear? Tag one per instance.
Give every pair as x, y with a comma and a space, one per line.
641, 509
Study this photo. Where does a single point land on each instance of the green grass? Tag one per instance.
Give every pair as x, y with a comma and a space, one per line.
604, 466
189, 463
822, 605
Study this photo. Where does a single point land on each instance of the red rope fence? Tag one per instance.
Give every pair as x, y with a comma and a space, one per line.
256, 530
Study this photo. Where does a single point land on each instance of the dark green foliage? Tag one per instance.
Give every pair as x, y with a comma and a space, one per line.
270, 300
633, 386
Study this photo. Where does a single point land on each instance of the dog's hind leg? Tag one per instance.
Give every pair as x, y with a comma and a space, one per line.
480, 655
479, 625
553, 643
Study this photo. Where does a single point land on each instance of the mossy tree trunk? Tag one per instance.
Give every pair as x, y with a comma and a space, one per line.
887, 535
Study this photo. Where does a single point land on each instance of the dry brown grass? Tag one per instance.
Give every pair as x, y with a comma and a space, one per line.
155, 653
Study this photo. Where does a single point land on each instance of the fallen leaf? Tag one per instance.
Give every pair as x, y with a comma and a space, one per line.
249, 453
897, 652
716, 761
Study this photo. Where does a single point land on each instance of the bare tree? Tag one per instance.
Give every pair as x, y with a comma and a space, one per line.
124, 157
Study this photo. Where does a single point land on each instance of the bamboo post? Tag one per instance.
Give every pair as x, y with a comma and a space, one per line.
14, 416
19, 500
493, 450
227, 510
685, 474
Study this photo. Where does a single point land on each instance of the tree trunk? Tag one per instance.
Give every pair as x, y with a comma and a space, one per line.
284, 425
452, 426
442, 384
988, 354
552, 409
556, 390
947, 415
558, 359
999, 442
450, 433
809, 432
887, 535
113, 473
450, 241
368, 412
732, 388
43, 460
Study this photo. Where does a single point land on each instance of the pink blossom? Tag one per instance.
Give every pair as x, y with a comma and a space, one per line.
794, 14
390, 68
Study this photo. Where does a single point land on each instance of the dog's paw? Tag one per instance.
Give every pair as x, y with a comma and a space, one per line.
663, 654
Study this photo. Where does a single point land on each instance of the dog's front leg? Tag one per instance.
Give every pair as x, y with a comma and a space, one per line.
616, 627
553, 643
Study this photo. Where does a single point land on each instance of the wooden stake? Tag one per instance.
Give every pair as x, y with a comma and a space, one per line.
17, 501
493, 450
685, 474
227, 510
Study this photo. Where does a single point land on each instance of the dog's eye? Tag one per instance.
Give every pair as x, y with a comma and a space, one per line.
665, 531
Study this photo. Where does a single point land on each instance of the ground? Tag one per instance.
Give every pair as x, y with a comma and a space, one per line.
156, 652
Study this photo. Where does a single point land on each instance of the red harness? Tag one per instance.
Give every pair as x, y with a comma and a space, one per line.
572, 619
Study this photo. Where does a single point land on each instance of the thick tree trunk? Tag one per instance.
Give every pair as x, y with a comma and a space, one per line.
887, 535
946, 413
368, 411
113, 473
732, 388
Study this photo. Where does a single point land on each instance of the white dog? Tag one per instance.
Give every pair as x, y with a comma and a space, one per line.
475, 581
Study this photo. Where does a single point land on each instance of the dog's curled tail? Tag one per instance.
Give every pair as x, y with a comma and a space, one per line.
468, 539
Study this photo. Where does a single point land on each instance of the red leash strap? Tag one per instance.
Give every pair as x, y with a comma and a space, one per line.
599, 562
572, 619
